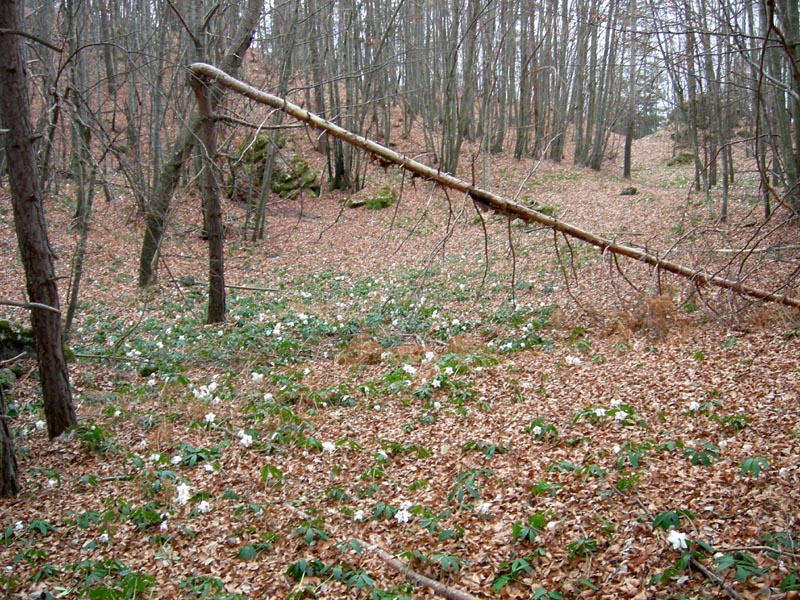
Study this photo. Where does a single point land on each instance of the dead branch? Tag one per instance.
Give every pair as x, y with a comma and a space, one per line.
29, 305
415, 578
412, 577
498, 203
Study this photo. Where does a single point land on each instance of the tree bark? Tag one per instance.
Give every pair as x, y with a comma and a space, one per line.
211, 206
29, 222
9, 483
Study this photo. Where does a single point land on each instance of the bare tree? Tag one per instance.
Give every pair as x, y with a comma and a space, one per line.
37, 256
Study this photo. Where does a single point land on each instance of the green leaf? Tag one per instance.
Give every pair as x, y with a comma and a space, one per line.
666, 520
501, 581
247, 552
753, 466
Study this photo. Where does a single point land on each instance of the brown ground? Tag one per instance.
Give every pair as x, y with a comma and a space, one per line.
608, 345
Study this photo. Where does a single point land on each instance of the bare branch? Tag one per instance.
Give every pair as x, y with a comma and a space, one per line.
30, 36
29, 305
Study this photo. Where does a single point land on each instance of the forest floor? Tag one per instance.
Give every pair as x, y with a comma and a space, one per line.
500, 410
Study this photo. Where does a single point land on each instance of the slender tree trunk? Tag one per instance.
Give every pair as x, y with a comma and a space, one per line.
211, 205
632, 95
9, 483
29, 222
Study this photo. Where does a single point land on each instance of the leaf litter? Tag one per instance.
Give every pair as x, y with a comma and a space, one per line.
349, 413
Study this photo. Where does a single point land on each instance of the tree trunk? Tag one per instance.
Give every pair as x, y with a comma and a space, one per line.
632, 95
29, 222
211, 206
9, 484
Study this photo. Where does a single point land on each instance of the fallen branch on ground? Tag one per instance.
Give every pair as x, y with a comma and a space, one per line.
416, 579
412, 577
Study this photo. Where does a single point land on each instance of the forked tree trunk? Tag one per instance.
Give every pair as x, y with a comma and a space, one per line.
159, 207
29, 222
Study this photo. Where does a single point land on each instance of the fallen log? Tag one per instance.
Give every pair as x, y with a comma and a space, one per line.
387, 157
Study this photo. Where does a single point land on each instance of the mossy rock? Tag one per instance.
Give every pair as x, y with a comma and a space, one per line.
383, 199
684, 158
15, 340
628, 191
7, 379
289, 177
355, 202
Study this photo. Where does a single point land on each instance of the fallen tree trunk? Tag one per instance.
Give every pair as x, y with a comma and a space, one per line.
388, 157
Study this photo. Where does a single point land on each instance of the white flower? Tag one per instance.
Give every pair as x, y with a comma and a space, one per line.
328, 447
536, 430
615, 403
429, 356
40, 425
402, 515
19, 526
616, 449
176, 460
103, 538
448, 370
204, 507
208, 468
483, 508
437, 405
268, 397
51, 483
551, 525
164, 525
600, 412
620, 415
155, 457
377, 407
182, 494
358, 516
436, 382
409, 369
257, 377
381, 455
117, 412
694, 405
210, 418
245, 439
572, 360
677, 539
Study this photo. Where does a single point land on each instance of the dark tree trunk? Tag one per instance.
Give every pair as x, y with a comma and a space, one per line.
211, 205
9, 484
29, 222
